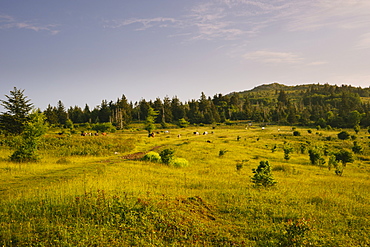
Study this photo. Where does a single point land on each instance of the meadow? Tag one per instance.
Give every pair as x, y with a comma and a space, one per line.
97, 191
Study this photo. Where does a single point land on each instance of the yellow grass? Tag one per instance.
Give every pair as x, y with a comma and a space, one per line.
208, 203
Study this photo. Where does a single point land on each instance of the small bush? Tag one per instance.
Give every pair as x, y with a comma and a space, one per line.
316, 158
179, 162
295, 232
263, 175
344, 135
152, 157
167, 156
287, 150
296, 133
222, 152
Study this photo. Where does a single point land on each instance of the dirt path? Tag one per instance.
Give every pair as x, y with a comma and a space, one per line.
139, 155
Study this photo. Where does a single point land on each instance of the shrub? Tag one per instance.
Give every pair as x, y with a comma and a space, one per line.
303, 147
296, 133
166, 155
295, 231
316, 157
222, 152
344, 135
263, 175
152, 157
287, 150
179, 162
345, 156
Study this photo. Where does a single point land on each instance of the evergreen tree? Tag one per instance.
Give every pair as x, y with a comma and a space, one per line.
177, 109
86, 114
61, 113
150, 120
34, 128
104, 112
263, 175
17, 108
51, 115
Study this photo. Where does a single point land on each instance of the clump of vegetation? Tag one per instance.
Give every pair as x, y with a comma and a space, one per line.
179, 162
287, 150
104, 127
167, 155
152, 157
342, 157
182, 123
357, 148
296, 133
263, 175
295, 231
239, 165
222, 152
303, 148
316, 158
344, 135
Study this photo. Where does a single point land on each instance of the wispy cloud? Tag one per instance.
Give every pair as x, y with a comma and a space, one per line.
143, 23
9, 22
273, 57
232, 19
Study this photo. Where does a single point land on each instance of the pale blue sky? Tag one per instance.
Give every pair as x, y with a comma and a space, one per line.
84, 51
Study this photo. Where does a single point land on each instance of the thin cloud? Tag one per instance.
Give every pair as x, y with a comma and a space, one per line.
143, 23
245, 19
8, 22
273, 57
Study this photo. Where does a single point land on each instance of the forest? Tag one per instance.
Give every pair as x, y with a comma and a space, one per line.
304, 105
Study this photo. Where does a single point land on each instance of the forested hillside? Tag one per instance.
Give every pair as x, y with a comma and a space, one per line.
312, 104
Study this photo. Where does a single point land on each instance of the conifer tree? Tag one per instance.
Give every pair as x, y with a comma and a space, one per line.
17, 108
263, 175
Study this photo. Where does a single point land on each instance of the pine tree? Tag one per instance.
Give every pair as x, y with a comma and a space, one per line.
18, 107
61, 113
263, 175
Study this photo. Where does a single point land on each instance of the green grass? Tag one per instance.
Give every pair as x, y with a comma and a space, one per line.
99, 198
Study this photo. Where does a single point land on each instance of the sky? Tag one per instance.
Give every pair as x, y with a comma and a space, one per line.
85, 51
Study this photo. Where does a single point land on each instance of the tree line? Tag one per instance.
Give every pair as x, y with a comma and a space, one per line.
323, 105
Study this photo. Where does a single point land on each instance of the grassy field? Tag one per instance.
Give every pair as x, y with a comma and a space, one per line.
94, 191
